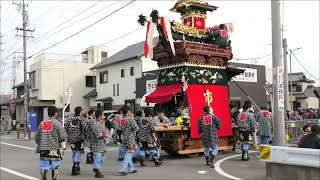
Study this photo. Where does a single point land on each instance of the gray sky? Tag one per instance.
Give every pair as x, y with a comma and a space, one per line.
251, 37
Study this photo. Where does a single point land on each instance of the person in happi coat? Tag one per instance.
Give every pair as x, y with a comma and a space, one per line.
246, 122
87, 132
129, 130
99, 143
74, 128
50, 138
265, 125
147, 138
207, 127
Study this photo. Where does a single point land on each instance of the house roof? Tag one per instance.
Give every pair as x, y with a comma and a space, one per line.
299, 76
91, 94
6, 103
307, 92
130, 52
18, 85
317, 89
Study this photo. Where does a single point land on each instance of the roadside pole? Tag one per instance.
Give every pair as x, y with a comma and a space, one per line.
69, 94
278, 90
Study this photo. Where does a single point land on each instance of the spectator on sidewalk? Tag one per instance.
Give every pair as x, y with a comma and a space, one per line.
311, 114
9, 123
311, 140
295, 116
306, 130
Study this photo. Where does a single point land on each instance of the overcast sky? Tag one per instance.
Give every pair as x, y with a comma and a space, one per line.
251, 37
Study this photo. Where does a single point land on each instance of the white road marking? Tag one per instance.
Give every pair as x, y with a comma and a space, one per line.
18, 174
109, 149
221, 172
24, 147
202, 172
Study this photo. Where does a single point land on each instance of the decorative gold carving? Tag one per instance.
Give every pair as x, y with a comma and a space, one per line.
181, 28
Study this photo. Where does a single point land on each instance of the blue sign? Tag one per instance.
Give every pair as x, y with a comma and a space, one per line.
33, 120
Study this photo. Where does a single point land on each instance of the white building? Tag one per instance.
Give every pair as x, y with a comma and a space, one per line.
116, 78
52, 75
303, 93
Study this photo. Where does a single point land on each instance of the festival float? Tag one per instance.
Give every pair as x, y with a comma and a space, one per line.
193, 72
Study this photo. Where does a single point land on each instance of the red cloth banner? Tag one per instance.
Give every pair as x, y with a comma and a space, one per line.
219, 104
199, 23
187, 21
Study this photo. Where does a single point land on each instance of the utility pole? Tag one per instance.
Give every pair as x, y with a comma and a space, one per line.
285, 77
278, 90
0, 50
25, 73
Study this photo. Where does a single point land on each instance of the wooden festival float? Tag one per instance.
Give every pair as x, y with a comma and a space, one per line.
193, 69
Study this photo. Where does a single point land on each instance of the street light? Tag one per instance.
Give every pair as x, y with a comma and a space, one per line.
290, 93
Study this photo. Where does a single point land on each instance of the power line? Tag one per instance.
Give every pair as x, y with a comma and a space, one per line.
47, 34
117, 38
108, 42
87, 27
64, 22
250, 59
306, 70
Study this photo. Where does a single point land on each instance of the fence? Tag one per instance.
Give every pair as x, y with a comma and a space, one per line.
294, 128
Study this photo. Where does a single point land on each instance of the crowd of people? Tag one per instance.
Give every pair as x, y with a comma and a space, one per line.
136, 133
248, 122
300, 114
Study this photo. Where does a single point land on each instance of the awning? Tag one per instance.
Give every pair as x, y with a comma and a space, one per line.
163, 93
41, 103
106, 99
91, 94
143, 102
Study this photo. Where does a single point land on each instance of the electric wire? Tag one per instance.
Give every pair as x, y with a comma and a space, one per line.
87, 27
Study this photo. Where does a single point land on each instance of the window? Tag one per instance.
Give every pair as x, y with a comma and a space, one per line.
32, 80
104, 54
104, 77
117, 89
90, 81
114, 90
99, 106
122, 73
132, 71
107, 106
298, 88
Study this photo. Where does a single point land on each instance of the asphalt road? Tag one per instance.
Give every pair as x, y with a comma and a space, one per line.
18, 156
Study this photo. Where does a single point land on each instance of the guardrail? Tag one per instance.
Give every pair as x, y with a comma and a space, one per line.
294, 128
290, 155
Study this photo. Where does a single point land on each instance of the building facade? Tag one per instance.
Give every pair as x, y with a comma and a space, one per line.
303, 94
52, 75
116, 78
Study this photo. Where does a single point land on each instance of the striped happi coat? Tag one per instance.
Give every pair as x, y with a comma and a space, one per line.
98, 142
146, 128
50, 134
245, 121
207, 126
87, 130
129, 130
74, 128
